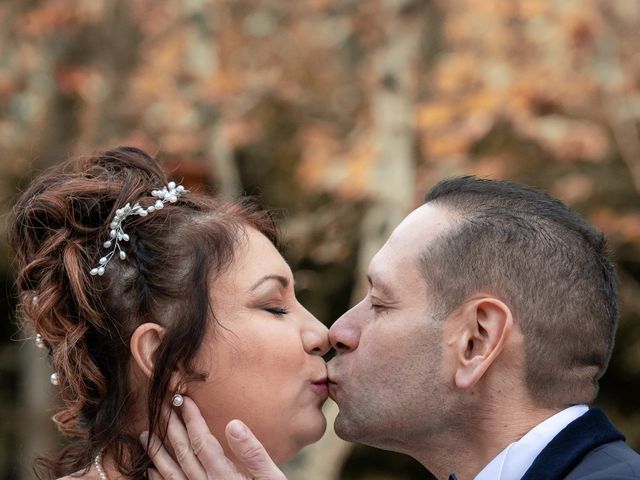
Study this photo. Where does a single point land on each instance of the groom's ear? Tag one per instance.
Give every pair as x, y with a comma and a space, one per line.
144, 343
483, 327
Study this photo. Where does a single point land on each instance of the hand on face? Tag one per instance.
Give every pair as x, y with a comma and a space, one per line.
200, 456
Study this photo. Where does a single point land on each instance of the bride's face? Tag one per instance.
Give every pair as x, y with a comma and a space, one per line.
263, 354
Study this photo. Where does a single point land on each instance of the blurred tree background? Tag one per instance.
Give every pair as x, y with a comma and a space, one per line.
338, 114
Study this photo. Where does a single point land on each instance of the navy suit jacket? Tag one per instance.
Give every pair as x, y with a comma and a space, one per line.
589, 448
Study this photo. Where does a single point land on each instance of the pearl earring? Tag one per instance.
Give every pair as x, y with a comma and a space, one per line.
177, 400
54, 379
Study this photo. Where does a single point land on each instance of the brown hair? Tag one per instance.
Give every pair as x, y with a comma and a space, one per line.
59, 225
548, 264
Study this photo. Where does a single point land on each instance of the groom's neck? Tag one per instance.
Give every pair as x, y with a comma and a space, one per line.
468, 447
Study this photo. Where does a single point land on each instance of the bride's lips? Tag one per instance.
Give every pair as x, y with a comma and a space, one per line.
321, 386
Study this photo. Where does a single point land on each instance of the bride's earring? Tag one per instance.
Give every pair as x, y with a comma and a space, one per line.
177, 400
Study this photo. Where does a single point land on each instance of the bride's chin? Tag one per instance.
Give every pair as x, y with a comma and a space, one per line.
323, 427
303, 438
316, 429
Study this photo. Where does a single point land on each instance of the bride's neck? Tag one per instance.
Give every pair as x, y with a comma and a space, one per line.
104, 468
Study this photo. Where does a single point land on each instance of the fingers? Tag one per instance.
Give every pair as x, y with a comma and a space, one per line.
251, 453
181, 444
152, 474
200, 456
166, 467
205, 446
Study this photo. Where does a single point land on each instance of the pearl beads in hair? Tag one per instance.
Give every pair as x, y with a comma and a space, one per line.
168, 194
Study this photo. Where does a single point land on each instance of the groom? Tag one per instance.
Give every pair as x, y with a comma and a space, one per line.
490, 318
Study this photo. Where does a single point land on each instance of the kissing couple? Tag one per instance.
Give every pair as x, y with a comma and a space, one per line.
180, 351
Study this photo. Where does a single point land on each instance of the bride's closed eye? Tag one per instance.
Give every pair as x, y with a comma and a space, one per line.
277, 311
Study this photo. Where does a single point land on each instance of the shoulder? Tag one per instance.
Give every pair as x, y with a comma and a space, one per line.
612, 461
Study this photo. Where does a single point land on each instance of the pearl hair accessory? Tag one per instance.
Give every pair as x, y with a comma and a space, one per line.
168, 194
53, 378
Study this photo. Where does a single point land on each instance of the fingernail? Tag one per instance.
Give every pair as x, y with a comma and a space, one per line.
237, 429
143, 437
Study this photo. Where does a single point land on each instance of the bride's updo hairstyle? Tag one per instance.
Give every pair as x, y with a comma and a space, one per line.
58, 229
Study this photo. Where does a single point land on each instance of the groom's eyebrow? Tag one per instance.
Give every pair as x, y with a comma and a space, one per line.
379, 285
283, 281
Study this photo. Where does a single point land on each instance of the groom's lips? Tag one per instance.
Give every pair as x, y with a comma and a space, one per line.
332, 388
332, 378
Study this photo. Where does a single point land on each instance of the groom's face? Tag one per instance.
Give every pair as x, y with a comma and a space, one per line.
388, 377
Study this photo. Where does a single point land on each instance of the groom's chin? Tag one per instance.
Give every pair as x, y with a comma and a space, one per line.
346, 428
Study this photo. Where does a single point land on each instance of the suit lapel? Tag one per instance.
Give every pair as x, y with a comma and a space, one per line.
565, 451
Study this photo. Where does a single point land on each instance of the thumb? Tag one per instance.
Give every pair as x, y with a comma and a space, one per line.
250, 452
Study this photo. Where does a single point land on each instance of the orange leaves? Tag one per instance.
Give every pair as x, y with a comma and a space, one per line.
456, 72
156, 75
58, 16
618, 227
47, 18
320, 147
241, 132
582, 35
449, 128
568, 139
533, 64
546, 69
329, 165
430, 115
78, 80
573, 189
534, 8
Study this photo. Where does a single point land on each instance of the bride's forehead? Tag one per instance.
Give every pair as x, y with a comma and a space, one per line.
257, 247
257, 256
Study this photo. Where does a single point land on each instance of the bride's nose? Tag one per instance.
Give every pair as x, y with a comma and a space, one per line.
315, 336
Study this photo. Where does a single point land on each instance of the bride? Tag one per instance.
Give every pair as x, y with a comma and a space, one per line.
154, 302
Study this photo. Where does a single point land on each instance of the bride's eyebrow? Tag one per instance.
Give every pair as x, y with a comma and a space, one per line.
283, 281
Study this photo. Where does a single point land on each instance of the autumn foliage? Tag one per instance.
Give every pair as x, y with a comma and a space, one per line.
329, 109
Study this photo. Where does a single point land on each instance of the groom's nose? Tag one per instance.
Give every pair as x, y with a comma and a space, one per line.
344, 334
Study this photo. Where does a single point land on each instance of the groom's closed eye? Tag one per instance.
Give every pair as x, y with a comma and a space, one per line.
377, 306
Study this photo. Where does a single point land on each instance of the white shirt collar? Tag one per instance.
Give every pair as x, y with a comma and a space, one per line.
515, 460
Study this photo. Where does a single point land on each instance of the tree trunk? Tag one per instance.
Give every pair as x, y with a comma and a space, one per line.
391, 181
393, 172
203, 63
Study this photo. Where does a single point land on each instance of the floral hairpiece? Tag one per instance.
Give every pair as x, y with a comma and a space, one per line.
168, 194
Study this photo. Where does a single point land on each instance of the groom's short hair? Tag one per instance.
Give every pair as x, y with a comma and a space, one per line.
546, 262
